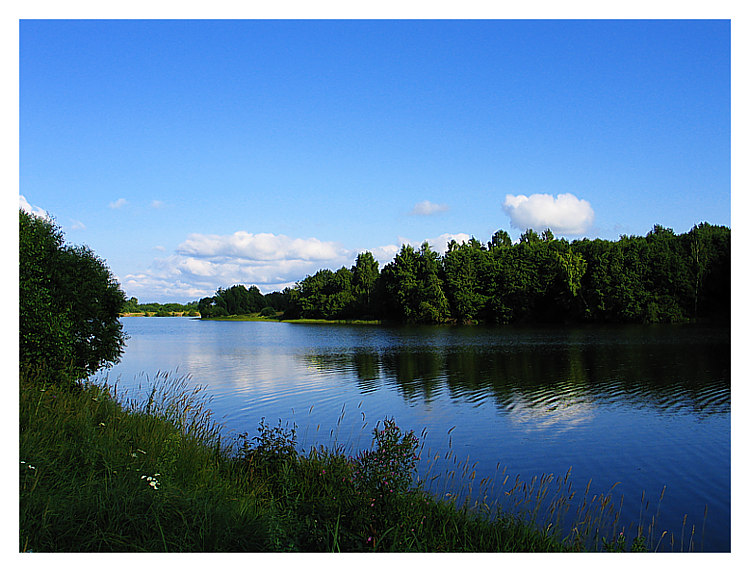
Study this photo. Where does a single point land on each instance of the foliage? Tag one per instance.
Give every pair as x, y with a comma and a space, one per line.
69, 303
132, 306
390, 466
274, 448
240, 300
662, 277
268, 312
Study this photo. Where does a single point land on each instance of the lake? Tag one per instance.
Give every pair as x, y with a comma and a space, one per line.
646, 407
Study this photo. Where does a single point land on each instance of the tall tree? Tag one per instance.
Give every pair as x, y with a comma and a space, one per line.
365, 276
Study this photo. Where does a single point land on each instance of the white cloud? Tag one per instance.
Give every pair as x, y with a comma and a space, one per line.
119, 203
77, 225
32, 209
564, 214
203, 263
438, 244
260, 247
157, 204
426, 208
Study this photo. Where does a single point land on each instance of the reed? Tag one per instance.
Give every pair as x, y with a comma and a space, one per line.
103, 470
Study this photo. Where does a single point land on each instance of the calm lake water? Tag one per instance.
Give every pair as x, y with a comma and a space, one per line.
645, 407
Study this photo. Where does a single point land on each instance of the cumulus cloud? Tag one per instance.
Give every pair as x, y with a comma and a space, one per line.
260, 247
426, 208
119, 203
31, 209
202, 263
564, 214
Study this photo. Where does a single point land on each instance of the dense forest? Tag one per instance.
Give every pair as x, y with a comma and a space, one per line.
660, 278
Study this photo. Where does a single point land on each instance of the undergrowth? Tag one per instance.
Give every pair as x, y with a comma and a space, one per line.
99, 473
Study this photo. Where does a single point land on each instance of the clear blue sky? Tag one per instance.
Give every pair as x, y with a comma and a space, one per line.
193, 155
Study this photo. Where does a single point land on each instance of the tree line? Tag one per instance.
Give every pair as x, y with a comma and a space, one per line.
662, 277
239, 300
133, 306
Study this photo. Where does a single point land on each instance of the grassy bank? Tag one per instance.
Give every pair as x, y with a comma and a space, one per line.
99, 473
259, 318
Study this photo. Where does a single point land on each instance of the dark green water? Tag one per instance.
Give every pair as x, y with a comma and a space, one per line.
645, 407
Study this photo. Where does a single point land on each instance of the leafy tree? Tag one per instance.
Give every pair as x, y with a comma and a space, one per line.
501, 239
463, 266
661, 277
69, 304
278, 300
365, 276
414, 288
131, 305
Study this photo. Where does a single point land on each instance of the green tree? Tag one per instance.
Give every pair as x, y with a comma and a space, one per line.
414, 288
131, 305
365, 275
69, 304
501, 239
463, 266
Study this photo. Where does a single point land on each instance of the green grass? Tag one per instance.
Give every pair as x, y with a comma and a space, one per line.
100, 473
259, 318
322, 321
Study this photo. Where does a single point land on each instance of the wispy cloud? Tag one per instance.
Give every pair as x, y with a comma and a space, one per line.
32, 209
157, 204
119, 203
564, 214
77, 225
427, 208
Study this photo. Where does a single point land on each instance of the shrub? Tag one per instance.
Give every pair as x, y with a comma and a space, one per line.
69, 304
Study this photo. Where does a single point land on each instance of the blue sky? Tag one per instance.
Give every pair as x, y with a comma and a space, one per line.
193, 155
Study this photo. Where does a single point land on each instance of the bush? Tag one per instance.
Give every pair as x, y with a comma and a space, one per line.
268, 312
69, 304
